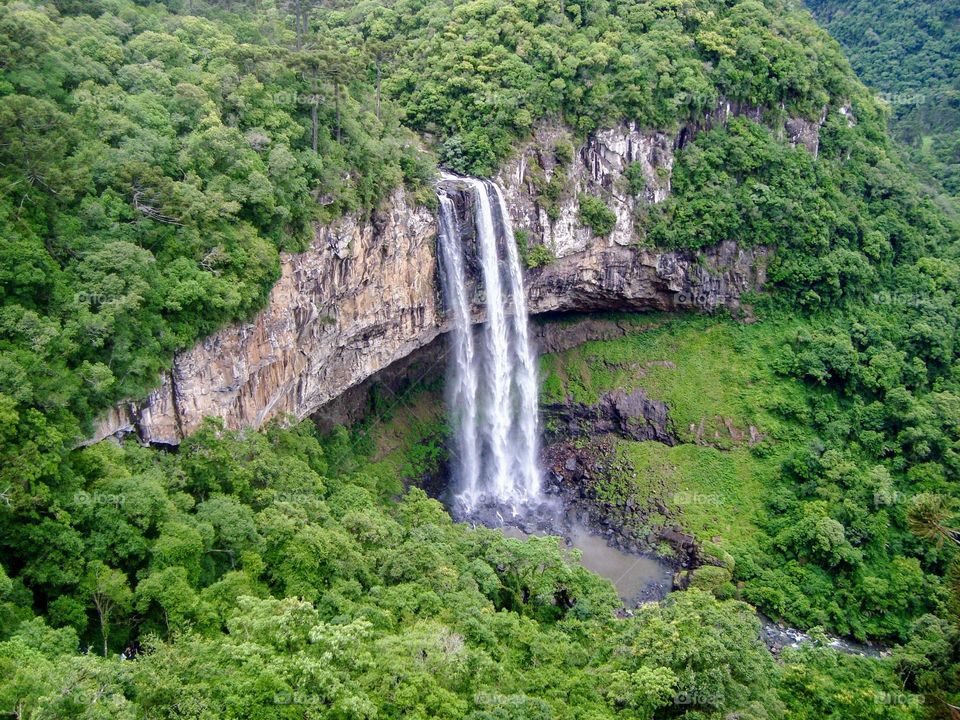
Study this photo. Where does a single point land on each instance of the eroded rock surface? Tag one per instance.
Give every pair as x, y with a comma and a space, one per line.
584, 477
363, 296
543, 188
629, 414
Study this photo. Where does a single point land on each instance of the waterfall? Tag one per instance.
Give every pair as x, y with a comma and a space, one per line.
462, 390
527, 430
492, 391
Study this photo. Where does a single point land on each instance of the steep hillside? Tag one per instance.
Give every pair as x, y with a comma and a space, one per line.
754, 475
909, 52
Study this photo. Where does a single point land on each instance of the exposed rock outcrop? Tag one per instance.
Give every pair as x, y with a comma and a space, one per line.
422, 368
366, 294
631, 415
551, 214
543, 186
555, 334
334, 320
587, 476
363, 296
625, 278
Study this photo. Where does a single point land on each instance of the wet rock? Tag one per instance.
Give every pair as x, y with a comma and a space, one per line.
554, 337
628, 524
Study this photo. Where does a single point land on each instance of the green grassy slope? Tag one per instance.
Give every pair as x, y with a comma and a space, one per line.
738, 491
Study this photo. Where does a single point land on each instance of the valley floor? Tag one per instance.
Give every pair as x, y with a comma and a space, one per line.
312, 576
706, 494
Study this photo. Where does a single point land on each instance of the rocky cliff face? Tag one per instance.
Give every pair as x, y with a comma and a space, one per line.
363, 296
366, 293
631, 415
627, 166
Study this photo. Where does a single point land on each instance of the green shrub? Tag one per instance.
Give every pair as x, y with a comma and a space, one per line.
636, 182
532, 257
709, 577
539, 256
595, 214
563, 152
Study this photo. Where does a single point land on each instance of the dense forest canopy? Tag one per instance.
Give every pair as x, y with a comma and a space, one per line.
155, 160
154, 164
908, 51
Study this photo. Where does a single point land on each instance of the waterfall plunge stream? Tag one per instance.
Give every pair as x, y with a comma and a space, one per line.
492, 392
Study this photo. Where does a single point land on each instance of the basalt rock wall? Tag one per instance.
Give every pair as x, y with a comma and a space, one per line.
366, 293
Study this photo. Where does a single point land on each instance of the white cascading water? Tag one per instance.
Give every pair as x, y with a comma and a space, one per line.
493, 393
462, 389
527, 436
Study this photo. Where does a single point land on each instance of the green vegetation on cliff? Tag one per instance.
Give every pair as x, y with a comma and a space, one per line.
480, 74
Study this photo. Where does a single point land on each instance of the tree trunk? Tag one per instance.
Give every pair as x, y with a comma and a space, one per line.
313, 111
297, 10
103, 611
336, 104
378, 88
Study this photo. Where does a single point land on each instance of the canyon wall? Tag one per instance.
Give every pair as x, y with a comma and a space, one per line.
366, 293
363, 296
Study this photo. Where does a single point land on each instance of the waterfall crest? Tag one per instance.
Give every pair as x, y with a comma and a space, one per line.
492, 391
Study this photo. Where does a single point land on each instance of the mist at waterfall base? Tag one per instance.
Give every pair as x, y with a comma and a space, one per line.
492, 390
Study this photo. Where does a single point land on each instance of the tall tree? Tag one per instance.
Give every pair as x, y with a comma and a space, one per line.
381, 41
327, 57
110, 593
930, 517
